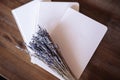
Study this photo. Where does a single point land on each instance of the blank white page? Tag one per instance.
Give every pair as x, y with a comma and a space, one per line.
78, 36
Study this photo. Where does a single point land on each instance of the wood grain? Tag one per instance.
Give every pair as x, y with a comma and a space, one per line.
14, 63
104, 65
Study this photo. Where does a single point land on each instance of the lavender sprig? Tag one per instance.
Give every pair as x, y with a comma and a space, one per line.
49, 53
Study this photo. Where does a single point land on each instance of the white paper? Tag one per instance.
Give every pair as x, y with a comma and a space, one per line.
51, 13
78, 36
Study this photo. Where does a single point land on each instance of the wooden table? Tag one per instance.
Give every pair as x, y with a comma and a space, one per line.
104, 65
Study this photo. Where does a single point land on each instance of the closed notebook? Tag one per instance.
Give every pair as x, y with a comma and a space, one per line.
78, 36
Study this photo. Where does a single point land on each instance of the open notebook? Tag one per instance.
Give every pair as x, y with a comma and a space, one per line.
77, 35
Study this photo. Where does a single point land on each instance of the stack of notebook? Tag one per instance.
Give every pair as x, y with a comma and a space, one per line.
59, 38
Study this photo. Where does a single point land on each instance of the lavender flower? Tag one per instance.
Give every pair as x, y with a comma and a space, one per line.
43, 46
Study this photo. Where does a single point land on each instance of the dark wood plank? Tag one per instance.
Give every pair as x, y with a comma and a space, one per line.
14, 3
105, 64
18, 65
14, 63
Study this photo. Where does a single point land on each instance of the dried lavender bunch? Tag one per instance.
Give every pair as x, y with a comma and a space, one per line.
49, 53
